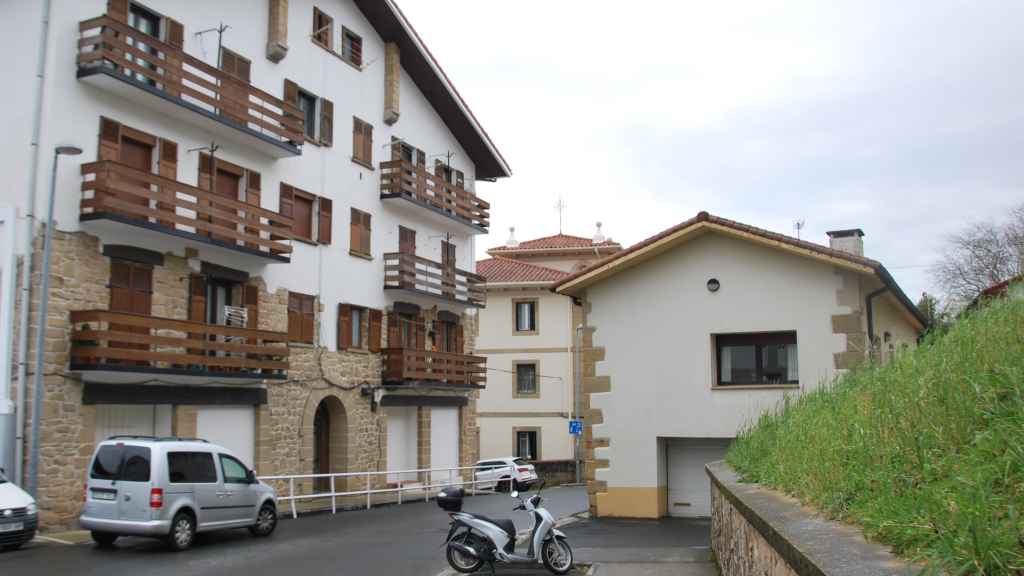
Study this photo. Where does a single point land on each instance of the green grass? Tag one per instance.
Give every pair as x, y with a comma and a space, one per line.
925, 454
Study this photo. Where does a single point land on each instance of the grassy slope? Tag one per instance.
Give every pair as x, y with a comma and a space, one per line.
925, 453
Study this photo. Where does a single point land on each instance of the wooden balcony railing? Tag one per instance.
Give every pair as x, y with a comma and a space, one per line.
102, 339
405, 271
112, 188
447, 367
401, 178
109, 43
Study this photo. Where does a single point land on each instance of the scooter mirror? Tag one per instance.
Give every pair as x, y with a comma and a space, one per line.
515, 494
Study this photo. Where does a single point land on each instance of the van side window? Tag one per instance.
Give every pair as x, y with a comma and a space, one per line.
191, 468
234, 471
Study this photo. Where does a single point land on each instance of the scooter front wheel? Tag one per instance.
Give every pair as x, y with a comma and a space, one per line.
557, 556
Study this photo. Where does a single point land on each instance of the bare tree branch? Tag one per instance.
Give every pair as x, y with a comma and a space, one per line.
983, 254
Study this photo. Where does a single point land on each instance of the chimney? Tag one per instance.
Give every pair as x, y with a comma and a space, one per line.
851, 241
512, 242
598, 236
392, 81
277, 34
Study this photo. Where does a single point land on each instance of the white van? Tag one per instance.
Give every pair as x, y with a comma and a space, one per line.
18, 515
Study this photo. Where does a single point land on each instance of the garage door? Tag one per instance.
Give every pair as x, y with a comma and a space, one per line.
132, 419
402, 442
444, 441
689, 490
233, 427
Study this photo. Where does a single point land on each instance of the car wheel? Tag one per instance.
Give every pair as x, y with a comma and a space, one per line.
266, 521
11, 547
504, 485
183, 532
516, 485
104, 539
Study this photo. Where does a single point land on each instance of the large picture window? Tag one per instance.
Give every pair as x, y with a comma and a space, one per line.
768, 358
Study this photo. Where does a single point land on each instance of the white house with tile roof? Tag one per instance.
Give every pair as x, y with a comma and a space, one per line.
526, 333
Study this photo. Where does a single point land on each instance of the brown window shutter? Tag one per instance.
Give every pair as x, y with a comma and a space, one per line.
344, 326
294, 318
357, 51
168, 167
365, 234
355, 235
394, 331
175, 33
421, 333
357, 138
110, 139
252, 305
326, 122
368, 143
197, 298
286, 202
460, 340
460, 179
406, 240
206, 166
375, 326
243, 69
323, 28
308, 319
118, 10
252, 187
421, 158
324, 221
438, 336
291, 92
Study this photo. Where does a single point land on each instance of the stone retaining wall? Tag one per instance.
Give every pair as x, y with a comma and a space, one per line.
760, 532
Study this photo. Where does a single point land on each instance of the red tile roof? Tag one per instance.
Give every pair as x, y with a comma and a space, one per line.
509, 270
556, 242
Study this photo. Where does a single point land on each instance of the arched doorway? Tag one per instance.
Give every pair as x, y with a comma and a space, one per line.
330, 442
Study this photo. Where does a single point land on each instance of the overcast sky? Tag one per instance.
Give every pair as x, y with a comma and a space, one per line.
901, 118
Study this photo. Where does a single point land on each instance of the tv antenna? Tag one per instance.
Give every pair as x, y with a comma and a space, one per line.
561, 207
798, 226
220, 30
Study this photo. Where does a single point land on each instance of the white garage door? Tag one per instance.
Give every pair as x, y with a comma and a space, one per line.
233, 427
132, 419
444, 441
402, 441
689, 490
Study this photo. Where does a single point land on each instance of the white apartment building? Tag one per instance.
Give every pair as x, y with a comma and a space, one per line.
266, 241
526, 334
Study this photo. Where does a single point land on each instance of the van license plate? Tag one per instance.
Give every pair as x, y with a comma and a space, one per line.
105, 495
16, 527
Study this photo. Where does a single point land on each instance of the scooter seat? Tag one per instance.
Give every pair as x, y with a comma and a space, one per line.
505, 524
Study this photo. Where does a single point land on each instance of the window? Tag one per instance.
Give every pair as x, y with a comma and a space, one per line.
123, 463
526, 380
318, 114
301, 317
406, 240
311, 214
191, 468
527, 444
757, 359
525, 316
359, 328
234, 471
359, 236
323, 29
351, 47
362, 142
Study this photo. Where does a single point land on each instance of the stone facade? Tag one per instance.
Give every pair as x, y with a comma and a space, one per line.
739, 548
284, 425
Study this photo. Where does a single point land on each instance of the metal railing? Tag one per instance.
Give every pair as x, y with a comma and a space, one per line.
368, 490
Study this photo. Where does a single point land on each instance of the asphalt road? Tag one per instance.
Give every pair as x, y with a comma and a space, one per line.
390, 540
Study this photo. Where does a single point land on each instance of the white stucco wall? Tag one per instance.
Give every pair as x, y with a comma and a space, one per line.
656, 323
72, 110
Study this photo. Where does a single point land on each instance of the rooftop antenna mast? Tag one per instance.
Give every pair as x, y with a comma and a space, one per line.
798, 226
561, 207
220, 30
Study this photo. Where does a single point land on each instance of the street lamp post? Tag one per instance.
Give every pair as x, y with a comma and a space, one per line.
44, 298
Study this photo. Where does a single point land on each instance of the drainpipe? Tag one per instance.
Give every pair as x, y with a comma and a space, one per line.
30, 224
578, 385
871, 315
9, 219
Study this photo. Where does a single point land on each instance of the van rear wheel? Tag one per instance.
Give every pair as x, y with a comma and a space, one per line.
103, 539
183, 532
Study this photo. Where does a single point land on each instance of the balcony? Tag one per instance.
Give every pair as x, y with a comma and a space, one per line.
417, 275
118, 347
411, 183
118, 58
116, 195
410, 365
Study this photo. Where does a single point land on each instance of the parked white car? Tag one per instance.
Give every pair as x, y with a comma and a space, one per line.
18, 515
504, 474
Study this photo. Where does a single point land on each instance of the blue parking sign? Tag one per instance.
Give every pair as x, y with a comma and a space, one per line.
575, 427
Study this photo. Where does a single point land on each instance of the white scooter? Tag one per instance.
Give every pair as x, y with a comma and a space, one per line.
474, 539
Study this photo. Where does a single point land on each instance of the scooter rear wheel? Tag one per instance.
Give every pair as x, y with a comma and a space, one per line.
465, 563
557, 556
